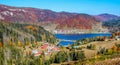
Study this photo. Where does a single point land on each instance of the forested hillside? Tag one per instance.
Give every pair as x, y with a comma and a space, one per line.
24, 33
113, 25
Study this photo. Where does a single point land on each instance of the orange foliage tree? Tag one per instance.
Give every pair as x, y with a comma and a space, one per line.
1, 44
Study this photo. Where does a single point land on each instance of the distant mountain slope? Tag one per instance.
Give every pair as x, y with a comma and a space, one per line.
113, 25
106, 17
14, 32
63, 19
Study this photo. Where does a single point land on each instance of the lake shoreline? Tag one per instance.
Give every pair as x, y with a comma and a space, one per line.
77, 37
82, 33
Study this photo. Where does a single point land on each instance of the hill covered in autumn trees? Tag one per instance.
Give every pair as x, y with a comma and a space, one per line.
15, 33
63, 19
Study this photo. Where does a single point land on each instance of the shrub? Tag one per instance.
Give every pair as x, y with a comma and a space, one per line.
102, 51
91, 46
77, 55
60, 57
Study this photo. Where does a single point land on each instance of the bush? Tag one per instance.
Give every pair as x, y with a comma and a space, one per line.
60, 57
102, 51
91, 46
77, 55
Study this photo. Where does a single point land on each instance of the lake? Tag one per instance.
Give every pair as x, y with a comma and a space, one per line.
71, 37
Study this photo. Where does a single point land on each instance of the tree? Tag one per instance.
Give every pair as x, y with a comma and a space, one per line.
2, 57
77, 55
109, 51
60, 57
20, 43
102, 51
91, 46
114, 48
113, 35
1, 44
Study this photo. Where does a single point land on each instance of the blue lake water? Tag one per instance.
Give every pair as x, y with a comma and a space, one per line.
77, 37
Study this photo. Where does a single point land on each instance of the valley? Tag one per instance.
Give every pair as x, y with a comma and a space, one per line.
33, 36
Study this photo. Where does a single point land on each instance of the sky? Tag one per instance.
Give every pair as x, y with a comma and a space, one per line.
92, 7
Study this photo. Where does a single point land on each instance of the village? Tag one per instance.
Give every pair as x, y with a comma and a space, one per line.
38, 49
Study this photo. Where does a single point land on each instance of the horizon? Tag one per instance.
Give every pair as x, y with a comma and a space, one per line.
91, 7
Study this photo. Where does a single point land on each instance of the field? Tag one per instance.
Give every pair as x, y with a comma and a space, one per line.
107, 44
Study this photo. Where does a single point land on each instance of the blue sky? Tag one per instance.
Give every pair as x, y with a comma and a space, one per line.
92, 7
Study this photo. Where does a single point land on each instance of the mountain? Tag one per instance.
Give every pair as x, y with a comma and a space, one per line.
106, 17
64, 20
113, 25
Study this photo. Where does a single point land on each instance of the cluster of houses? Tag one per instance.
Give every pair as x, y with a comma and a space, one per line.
45, 49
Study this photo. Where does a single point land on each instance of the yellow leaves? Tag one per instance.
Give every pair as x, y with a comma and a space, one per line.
41, 62
31, 27
12, 43
114, 48
44, 37
97, 56
20, 44
110, 51
28, 27
27, 43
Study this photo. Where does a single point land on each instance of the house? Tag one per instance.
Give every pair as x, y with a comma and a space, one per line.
36, 53
44, 47
50, 47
